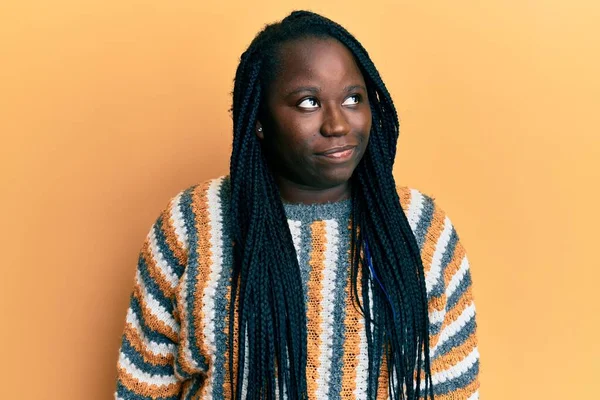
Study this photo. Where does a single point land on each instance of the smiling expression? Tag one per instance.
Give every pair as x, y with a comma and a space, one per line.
317, 121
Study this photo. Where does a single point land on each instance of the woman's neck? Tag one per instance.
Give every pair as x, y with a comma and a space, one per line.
295, 193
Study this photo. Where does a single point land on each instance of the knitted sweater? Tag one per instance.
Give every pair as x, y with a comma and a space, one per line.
175, 341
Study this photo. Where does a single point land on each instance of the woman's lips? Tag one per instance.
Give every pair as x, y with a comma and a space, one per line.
339, 154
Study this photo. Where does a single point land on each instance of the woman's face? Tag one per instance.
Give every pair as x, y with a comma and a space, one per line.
318, 117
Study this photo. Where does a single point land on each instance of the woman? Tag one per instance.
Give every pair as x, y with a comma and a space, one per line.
343, 285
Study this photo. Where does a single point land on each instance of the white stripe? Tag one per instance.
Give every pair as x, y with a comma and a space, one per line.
457, 369
161, 263
138, 374
436, 316
415, 208
360, 391
327, 308
434, 274
208, 297
285, 395
155, 307
467, 315
158, 349
246, 367
178, 221
458, 277
474, 396
296, 235
371, 283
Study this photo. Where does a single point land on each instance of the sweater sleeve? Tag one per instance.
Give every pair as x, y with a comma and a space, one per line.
146, 367
453, 342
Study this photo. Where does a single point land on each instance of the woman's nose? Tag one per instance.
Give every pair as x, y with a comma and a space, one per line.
335, 122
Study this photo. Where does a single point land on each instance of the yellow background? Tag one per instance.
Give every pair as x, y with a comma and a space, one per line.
109, 108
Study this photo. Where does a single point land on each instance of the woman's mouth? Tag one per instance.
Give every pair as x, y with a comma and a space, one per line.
339, 153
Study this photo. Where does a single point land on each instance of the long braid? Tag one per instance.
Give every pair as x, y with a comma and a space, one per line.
266, 276
270, 323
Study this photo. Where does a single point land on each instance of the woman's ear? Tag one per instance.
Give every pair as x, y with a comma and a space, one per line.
259, 130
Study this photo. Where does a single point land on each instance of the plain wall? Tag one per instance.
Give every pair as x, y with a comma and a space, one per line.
109, 108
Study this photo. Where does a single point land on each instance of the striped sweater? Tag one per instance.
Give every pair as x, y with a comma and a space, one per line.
175, 341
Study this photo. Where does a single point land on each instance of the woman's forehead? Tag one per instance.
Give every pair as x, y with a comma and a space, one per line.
311, 49
315, 59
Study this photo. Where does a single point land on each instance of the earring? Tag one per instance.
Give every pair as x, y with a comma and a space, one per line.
260, 129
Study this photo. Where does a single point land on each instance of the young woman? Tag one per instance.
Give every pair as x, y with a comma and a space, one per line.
306, 273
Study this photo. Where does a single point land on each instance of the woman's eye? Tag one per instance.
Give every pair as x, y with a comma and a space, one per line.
352, 100
309, 103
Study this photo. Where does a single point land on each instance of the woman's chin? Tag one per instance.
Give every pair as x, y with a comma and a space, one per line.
336, 178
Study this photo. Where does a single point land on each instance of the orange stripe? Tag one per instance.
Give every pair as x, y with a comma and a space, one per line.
353, 325
383, 380
154, 270
145, 389
437, 303
431, 238
200, 209
150, 319
314, 306
455, 355
405, 197
462, 393
234, 353
135, 339
172, 240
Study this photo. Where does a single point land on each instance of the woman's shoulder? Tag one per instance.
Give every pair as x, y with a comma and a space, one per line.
220, 183
212, 189
441, 249
428, 220
198, 200
418, 206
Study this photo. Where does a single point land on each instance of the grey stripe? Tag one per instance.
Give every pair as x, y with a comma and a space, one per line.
460, 290
304, 257
220, 299
439, 287
424, 220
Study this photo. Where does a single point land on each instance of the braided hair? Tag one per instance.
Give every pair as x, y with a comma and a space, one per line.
271, 329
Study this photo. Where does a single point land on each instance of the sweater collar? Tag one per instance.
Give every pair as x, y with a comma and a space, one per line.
307, 213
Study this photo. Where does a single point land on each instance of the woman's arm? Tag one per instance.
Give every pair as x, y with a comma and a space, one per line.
453, 341
147, 357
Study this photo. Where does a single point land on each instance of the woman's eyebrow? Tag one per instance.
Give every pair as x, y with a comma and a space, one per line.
310, 89
354, 87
